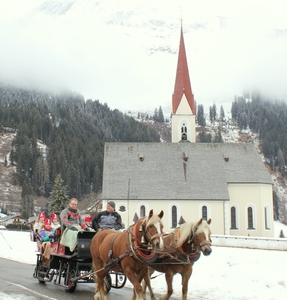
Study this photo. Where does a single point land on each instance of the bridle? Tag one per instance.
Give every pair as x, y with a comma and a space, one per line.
195, 246
193, 239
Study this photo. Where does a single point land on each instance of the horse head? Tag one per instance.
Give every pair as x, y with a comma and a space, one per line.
201, 236
195, 237
150, 230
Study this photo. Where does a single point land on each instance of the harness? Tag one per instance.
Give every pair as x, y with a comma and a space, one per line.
179, 254
134, 246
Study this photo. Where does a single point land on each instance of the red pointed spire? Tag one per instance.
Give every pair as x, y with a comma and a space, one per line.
182, 81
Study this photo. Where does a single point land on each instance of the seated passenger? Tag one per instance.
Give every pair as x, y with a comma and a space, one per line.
46, 237
72, 223
55, 221
107, 219
39, 224
47, 234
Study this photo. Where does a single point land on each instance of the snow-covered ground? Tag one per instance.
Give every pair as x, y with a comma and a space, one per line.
228, 273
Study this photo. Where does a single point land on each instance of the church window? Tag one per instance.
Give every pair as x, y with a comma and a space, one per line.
266, 217
142, 211
250, 217
174, 216
233, 218
122, 208
184, 132
204, 212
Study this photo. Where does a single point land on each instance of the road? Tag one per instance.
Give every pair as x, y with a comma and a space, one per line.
17, 282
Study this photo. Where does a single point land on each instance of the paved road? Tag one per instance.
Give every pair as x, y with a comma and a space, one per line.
17, 282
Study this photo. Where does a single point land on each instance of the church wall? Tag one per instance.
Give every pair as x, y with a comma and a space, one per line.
190, 211
267, 209
256, 197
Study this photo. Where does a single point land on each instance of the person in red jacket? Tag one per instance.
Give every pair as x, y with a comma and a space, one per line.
71, 217
72, 223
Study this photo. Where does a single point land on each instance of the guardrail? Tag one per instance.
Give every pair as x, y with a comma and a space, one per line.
279, 244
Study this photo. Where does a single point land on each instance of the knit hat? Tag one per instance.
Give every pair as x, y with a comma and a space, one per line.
53, 216
47, 222
112, 204
41, 215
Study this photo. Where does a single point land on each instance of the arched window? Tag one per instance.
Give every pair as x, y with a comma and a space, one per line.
204, 212
173, 216
183, 132
266, 217
233, 218
142, 211
122, 208
250, 217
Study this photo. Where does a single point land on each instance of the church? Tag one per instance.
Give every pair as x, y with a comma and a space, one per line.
187, 180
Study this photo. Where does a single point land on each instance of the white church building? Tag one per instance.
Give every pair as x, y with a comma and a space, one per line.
187, 180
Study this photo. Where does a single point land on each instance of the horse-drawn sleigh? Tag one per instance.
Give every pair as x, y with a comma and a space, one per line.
109, 258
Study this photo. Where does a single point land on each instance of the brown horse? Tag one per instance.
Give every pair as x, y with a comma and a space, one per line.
129, 252
182, 248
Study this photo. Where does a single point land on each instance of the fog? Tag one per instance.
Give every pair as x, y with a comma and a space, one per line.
124, 53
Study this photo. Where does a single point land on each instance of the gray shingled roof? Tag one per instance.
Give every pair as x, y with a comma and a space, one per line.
164, 174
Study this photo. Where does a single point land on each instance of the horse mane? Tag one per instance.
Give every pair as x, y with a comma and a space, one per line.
154, 219
186, 229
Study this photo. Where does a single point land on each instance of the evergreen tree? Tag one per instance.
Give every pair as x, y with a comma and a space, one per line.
222, 114
204, 137
214, 112
218, 137
160, 117
58, 198
27, 200
155, 115
211, 114
200, 115
280, 160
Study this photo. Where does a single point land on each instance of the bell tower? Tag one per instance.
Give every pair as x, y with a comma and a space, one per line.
183, 107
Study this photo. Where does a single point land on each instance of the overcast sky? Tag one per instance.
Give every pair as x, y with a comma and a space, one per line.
124, 53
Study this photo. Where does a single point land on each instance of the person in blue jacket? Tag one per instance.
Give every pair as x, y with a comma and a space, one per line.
107, 219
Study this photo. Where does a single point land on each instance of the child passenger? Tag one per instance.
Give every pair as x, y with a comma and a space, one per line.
55, 221
47, 234
39, 224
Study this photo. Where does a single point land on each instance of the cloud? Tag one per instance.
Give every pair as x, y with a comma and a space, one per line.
111, 52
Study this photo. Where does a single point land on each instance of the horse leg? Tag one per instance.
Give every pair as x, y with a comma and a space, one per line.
185, 275
100, 293
97, 295
135, 279
146, 283
168, 277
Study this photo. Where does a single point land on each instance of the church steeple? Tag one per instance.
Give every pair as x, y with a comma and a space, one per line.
182, 82
183, 108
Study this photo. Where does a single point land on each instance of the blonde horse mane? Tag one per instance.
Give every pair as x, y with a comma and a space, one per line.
154, 219
187, 229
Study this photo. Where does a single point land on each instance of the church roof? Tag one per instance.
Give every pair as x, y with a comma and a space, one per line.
179, 171
182, 81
